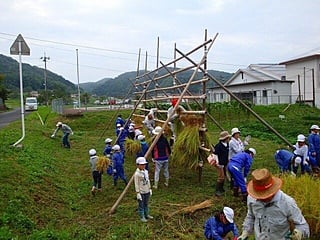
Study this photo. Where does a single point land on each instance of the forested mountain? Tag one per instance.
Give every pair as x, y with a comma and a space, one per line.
33, 78
122, 84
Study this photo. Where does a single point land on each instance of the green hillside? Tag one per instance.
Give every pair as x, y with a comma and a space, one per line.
122, 84
45, 189
33, 78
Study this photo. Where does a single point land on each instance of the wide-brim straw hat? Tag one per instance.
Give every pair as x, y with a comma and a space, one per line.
263, 185
224, 135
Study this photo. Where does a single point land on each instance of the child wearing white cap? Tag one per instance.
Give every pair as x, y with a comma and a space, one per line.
218, 226
143, 189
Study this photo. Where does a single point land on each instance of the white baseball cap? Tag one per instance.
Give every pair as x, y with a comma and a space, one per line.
108, 140
297, 161
314, 127
228, 212
116, 147
254, 152
92, 152
301, 138
141, 160
141, 137
58, 124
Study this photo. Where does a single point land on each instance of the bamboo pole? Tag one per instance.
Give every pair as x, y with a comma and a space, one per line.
208, 114
241, 102
177, 59
155, 140
127, 95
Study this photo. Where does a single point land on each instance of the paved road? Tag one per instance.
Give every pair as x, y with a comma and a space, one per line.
10, 116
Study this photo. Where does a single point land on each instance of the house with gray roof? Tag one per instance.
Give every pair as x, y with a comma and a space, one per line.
261, 84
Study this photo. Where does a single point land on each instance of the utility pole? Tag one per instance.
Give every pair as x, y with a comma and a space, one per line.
79, 99
45, 59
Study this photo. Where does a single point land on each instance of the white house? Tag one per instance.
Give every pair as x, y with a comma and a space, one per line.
305, 74
262, 84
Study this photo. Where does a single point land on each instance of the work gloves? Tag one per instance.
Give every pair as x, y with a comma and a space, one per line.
244, 235
139, 197
150, 192
296, 235
52, 136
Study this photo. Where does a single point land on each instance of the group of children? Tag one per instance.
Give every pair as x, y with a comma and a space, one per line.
305, 153
115, 166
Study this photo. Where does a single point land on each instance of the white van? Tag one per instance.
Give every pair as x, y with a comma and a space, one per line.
31, 104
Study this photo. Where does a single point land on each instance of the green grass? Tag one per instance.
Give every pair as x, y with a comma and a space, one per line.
45, 189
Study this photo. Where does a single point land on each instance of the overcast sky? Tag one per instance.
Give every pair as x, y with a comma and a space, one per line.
109, 33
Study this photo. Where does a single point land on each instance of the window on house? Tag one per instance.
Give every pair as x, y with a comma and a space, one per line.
264, 93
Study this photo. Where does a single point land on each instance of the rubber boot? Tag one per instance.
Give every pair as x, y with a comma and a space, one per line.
244, 197
222, 189
231, 183
142, 216
114, 182
219, 189
146, 213
166, 183
235, 191
125, 182
155, 186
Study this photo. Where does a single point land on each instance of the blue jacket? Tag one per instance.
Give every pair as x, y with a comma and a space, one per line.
107, 150
216, 230
242, 160
283, 158
124, 134
117, 160
144, 149
314, 143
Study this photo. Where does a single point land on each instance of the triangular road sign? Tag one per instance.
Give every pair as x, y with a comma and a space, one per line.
14, 49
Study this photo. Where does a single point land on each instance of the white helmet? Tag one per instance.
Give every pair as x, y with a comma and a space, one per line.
92, 152
301, 138
253, 151
228, 212
108, 140
116, 147
58, 124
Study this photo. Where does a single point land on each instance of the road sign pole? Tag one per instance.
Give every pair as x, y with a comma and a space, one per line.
20, 47
21, 99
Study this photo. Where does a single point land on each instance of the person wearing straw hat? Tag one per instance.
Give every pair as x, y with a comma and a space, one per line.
272, 214
218, 226
314, 143
221, 149
160, 156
